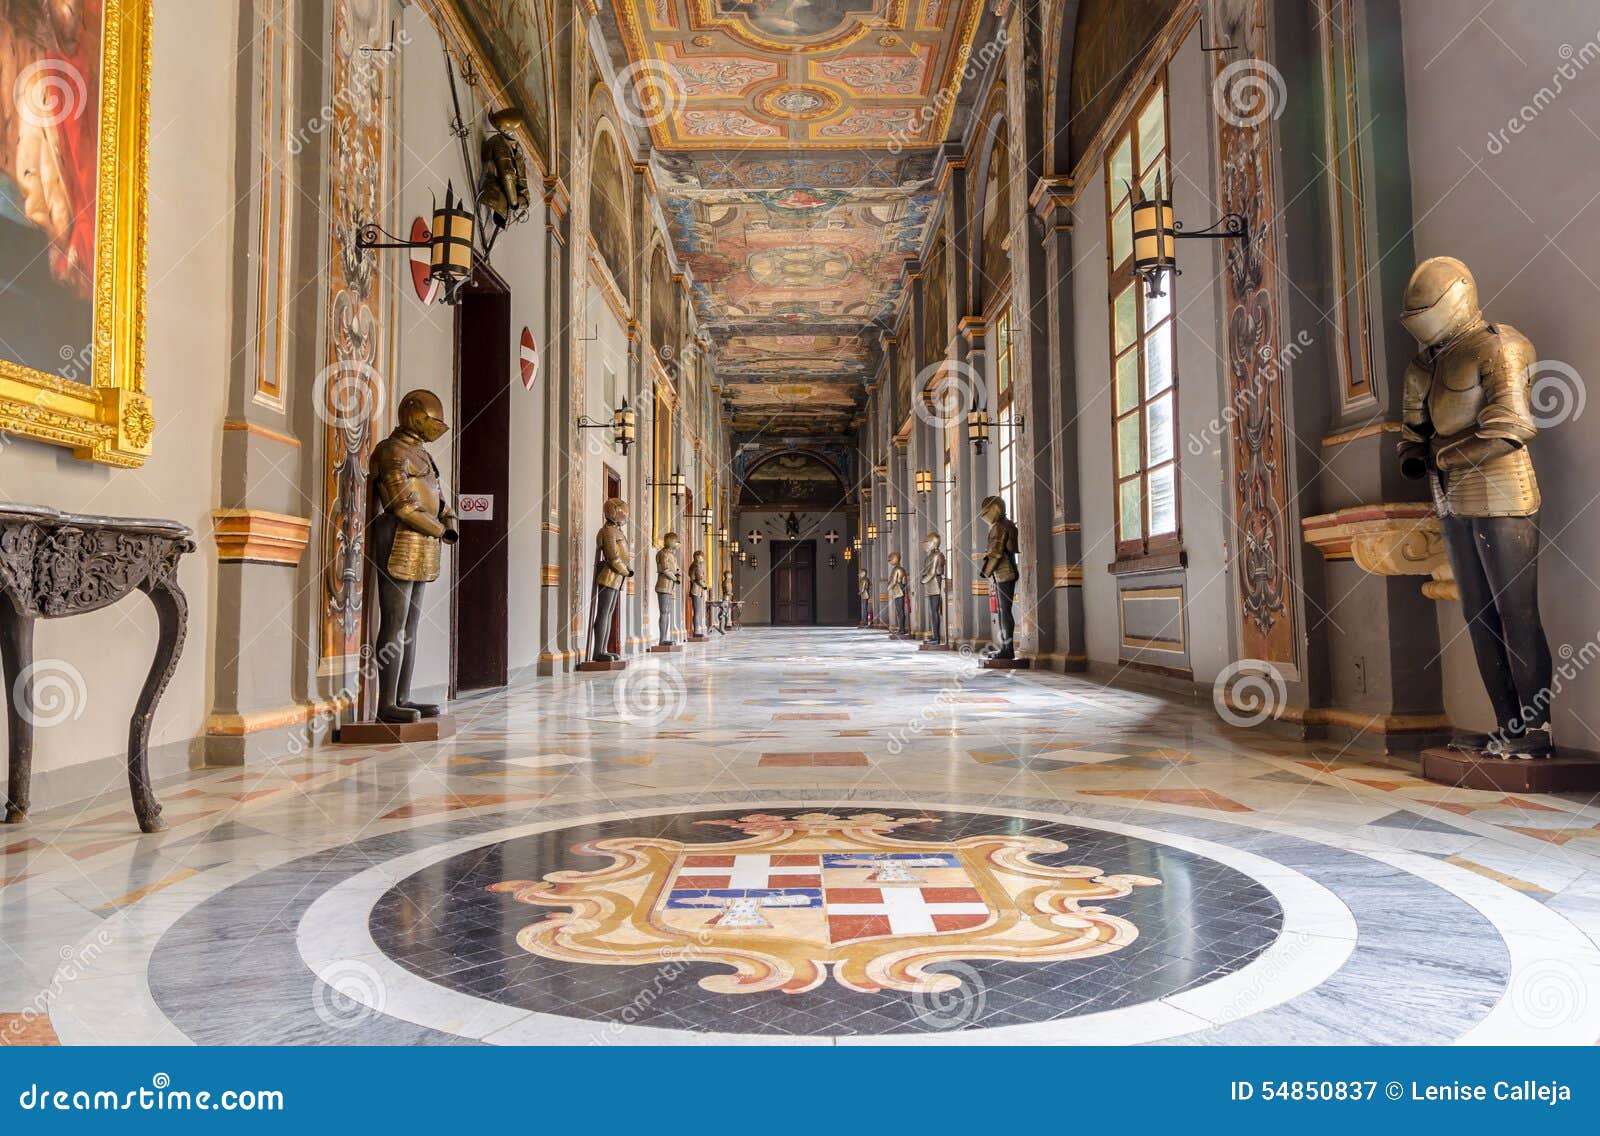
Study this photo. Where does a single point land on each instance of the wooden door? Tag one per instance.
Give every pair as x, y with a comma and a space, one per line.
794, 582
480, 597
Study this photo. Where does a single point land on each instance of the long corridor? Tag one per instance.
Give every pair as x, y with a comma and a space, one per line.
815, 836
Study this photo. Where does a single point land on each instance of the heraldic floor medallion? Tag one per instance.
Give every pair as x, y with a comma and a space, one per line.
768, 922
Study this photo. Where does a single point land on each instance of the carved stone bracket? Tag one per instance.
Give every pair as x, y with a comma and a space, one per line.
1387, 539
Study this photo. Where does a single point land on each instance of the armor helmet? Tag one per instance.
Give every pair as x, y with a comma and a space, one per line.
894, 558
932, 540
615, 510
506, 120
1441, 301
422, 414
699, 556
993, 509
670, 540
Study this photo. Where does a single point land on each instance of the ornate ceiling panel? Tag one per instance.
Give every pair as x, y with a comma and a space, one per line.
793, 142
783, 74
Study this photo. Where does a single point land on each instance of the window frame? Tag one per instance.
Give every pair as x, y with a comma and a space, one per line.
1004, 402
1120, 279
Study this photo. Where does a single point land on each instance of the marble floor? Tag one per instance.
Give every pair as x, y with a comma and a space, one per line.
810, 836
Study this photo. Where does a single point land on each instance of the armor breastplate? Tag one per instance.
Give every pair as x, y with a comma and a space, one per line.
666, 570
1457, 393
897, 583
612, 542
933, 571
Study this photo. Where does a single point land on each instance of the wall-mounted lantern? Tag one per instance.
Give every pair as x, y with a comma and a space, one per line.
1156, 234
925, 481
624, 426
849, 554
676, 485
980, 426
872, 533
449, 243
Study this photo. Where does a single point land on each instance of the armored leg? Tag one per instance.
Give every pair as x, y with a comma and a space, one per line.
605, 603
1005, 624
700, 615
664, 620
396, 631
936, 619
409, 657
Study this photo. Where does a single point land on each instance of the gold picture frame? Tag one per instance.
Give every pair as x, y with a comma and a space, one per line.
109, 418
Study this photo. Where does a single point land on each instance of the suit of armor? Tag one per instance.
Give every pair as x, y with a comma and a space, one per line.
503, 185
1000, 568
727, 601
699, 586
668, 577
1465, 425
613, 566
411, 520
864, 588
899, 592
935, 566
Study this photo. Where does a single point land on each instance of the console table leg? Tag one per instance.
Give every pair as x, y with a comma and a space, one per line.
16, 653
172, 612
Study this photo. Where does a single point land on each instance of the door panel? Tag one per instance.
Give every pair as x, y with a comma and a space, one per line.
794, 582
483, 466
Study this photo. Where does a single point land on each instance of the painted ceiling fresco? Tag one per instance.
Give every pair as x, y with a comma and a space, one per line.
793, 143
506, 32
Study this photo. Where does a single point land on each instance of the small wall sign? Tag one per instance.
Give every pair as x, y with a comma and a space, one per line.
475, 506
529, 354
427, 290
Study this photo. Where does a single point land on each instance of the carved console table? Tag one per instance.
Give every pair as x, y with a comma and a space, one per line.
55, 564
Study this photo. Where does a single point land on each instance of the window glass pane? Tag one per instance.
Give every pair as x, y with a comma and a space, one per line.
1128, 445
1158, 360
1125, 318
1158, 308
1121, 170
1163, 501
1158, 430
1121, 235
1132, 510
1152, 130
1127, 382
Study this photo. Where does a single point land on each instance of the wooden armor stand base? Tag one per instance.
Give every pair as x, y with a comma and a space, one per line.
1564, 773
665, 648
936, 647
613, 665
387, 733
1005, 664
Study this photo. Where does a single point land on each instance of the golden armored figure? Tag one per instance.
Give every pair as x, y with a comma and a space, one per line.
503, 186
935, 580
411, 519
613, 566
899, 592
864, 589
1465, 426
699, 588
668, 577
1000, 569
727, 600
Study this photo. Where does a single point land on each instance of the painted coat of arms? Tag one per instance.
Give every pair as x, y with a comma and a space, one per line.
801, 896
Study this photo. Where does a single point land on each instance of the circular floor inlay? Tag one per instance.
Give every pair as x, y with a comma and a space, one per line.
799, 922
